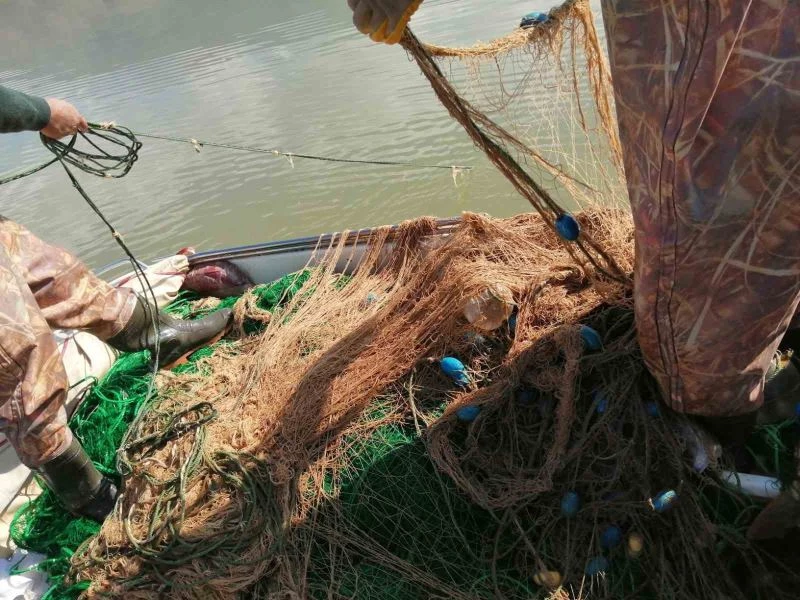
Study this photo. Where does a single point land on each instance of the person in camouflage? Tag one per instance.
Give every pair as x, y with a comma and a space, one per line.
42, 286
708, 104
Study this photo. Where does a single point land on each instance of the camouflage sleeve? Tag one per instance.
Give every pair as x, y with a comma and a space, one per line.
68, 294
42, 286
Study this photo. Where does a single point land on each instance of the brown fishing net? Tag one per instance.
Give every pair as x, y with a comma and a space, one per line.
538, 103
550, 87
286, 398
332, 450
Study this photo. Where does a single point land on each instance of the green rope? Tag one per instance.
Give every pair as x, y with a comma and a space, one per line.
198, 144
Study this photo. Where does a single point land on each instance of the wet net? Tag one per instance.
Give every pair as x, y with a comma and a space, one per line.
429, 411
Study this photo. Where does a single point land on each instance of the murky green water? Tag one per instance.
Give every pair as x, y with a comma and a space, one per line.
289, 75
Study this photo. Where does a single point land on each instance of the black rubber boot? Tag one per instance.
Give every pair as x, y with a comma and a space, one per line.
78, 485
177, 338
781, 392
730, 432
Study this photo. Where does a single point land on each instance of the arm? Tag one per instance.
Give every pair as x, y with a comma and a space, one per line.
21, 112
54, 118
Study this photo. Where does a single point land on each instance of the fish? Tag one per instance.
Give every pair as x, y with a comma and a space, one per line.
220, 279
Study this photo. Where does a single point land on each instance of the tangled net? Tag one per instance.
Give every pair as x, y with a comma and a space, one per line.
581, 157
323, 453
328, 456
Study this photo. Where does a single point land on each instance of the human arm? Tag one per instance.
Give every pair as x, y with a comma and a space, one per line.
23, 112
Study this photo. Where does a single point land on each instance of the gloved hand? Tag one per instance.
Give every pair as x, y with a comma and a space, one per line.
383, 20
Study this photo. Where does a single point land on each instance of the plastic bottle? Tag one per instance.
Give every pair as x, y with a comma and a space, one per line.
490, 308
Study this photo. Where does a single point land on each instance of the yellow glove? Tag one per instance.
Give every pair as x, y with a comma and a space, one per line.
383, 20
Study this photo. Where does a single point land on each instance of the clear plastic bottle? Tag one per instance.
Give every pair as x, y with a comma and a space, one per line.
491, 308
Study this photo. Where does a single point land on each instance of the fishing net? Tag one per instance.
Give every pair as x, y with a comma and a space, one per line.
322, 452
538, 103
429, 411
544, 93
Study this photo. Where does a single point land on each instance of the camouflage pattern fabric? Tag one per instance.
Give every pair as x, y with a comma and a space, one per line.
42, 287
708, 102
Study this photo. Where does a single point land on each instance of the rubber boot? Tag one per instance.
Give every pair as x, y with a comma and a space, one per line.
78, 485
177, 338
781, 392
731, 432
781, 403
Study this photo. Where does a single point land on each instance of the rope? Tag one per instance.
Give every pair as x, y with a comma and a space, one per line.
199, 144
114, 162
86, 162
179, 423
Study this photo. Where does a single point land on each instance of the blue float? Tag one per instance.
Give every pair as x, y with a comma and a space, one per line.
664, 501
525, 396
570, 504
611, 537
512, 323
600, 402
455, 370
597, 566
591, 339
567, 227
468, 414
533, 18
652, 409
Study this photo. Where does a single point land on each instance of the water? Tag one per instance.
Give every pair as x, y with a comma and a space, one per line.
289, 75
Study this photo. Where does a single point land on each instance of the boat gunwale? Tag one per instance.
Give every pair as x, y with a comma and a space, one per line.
355, 237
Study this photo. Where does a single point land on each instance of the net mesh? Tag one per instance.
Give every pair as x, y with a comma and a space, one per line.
404, 499
322, 451
548, 88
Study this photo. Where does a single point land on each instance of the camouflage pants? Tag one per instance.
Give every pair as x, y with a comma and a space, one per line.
708, 101
42, 287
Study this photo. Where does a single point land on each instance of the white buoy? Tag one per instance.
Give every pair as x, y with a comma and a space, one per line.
756, 486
